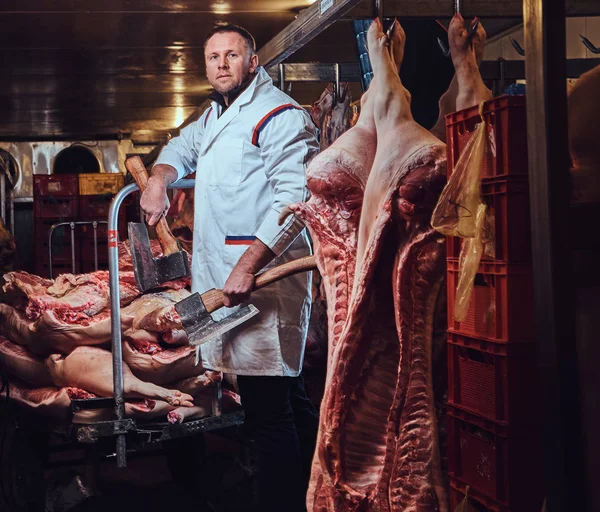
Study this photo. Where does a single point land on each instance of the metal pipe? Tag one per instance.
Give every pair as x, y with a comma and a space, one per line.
337, 92
12, 211
95, 227
72, 225
3, 196
115, 311
282, 76
217, 400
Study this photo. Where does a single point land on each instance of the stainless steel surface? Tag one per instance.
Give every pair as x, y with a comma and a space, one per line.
3, 198
72, 226
316, 72
95, 228
337, 96
200, 326
281, 69
115, 311
11, 202
308, 25
149, 271
115, 314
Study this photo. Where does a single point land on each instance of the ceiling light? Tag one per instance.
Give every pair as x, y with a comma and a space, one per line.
179, 116
221, 7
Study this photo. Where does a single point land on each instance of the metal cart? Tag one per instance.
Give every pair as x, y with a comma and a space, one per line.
122, 427
23, 481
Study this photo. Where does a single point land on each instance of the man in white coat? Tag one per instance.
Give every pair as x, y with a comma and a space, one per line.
250, 150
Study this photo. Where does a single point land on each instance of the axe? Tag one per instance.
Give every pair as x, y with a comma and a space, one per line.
195, 310
149, 271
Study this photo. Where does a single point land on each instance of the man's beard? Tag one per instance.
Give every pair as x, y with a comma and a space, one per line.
233, 90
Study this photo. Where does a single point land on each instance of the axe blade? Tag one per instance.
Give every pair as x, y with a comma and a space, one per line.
199, 325
149, 271
144, 266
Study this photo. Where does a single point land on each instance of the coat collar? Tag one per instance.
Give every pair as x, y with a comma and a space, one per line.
220, 122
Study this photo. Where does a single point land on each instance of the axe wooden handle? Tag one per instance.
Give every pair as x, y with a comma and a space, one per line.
213, 299
167, 241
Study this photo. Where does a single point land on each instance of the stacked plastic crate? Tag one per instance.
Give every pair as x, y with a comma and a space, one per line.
55, 199
494, 435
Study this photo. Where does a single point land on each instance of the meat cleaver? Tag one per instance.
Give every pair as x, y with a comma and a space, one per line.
149, 271
195, 310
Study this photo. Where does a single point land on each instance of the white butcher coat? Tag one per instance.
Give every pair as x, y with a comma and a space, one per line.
250, 163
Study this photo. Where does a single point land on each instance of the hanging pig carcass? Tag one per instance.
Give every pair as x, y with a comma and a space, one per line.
373, 191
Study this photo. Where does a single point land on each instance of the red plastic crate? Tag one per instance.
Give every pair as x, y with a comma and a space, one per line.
56, 207
508, 204
56, 185
501, 306
94, 207
496, 381
506, 131
502, 464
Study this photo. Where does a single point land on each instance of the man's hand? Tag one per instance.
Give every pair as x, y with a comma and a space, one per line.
238, 287
154, 200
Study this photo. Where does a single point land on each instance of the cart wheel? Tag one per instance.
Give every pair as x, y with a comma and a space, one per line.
22, 457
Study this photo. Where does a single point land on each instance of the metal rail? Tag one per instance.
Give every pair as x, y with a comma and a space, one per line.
115, 310
72, 225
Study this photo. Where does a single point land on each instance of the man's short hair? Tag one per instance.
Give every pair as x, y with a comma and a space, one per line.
221, 28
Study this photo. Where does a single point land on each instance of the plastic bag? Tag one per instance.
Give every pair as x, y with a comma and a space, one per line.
461, 212
464, 505
468, 263
455, 212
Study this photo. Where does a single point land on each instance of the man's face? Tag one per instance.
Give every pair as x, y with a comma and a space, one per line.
228, 61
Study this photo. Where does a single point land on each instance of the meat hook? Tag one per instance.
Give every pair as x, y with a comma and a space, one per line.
470, 33
443, 48
518, 48
390, 30
589, 45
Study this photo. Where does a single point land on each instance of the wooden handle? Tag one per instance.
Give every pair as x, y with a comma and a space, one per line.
213, 299
168, 242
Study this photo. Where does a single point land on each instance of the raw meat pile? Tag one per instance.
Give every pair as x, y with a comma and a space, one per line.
55, 346
372, 194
